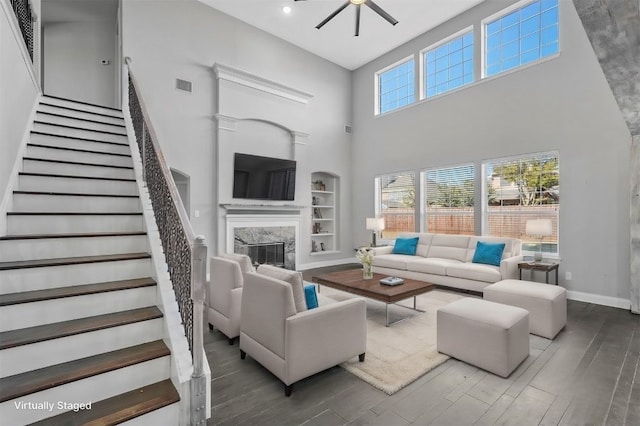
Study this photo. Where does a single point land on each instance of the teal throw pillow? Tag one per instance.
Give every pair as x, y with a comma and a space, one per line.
488, 253
310, 296
406, 246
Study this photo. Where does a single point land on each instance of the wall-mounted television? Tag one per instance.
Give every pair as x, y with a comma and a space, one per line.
263, 178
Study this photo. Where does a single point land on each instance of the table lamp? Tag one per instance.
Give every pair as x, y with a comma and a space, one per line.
539, 228
375, 224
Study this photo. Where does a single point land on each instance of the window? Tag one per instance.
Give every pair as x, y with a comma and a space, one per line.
395, 86
449, 65
522, 189
448, 200
396, 203
524, 35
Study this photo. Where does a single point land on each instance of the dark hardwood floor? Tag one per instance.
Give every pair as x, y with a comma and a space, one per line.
589, 374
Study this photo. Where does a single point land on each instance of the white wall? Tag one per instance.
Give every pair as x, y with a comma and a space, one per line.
18, 94
563, 104
183, 39
72, 55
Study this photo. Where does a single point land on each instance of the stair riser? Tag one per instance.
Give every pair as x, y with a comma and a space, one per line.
31, 166
52, 248
67, 203
16, 280
78, 133
65, 224
169, 415
91, 389
75, 105
79, 115
14, 317
79, 157
89, 125
78, 144
80, 186
30, 357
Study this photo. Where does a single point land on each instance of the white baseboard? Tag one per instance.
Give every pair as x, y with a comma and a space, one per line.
614, 302
305, 266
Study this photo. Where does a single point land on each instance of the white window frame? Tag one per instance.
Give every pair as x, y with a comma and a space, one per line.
483, 36
377, 185
423, 66
376, 84
485, 204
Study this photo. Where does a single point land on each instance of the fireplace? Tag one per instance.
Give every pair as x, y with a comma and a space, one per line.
265, 253
266, 238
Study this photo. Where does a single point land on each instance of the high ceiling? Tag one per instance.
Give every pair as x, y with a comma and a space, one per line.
335, 41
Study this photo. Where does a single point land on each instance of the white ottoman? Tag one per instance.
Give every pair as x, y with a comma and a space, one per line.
547, 304
489, 335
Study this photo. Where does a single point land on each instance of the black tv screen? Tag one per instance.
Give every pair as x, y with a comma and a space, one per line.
263, 178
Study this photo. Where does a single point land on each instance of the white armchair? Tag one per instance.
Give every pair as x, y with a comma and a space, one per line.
294, 345
224, 294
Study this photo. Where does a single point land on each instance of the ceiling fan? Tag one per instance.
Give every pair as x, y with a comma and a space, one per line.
357, 4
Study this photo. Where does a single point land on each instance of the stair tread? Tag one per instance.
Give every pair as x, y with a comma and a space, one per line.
120, 408
47, 96
48, 377
41, 333
74, 194
72, 291
89, 151
78, 163
72, 235
84, 129
74, 176
79, 138
81, 119
74, 213
45, 103
23, 264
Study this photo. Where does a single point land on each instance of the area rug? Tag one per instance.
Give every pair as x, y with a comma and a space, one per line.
401, 353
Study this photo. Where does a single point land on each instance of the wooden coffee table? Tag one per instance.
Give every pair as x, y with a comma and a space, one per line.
351, 281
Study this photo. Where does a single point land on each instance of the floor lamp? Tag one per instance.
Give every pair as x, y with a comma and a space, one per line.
539, 228
375, 224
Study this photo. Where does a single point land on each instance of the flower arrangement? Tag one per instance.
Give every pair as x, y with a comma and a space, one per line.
365, 255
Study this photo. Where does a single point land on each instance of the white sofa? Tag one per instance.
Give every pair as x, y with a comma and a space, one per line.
446, 260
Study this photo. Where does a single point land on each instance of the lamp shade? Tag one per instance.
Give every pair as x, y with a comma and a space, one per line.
375, 223
539, 228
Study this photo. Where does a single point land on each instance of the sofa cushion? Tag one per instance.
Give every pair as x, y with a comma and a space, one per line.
449, 247
488, 253
406, 246
512, 246
424, 241
431, 265
293, 278
393, 261
242, 259
475, 271
310, 296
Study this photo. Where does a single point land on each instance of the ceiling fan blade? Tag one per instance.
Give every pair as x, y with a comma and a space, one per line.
357, 20
333, 15
381, 12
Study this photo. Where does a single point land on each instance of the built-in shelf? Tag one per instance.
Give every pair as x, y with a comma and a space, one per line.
321, 253
324, 229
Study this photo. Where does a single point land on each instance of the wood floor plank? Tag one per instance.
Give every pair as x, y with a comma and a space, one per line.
38, 263
528, 408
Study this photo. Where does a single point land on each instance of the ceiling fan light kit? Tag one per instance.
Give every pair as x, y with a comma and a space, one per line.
358, 4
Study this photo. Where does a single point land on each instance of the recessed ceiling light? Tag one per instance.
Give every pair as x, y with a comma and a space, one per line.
286, 10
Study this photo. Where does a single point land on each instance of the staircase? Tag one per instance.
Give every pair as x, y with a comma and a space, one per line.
78, 317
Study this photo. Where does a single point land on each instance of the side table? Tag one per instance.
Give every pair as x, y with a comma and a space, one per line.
539, 266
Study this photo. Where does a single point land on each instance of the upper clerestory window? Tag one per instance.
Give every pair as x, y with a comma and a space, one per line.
524, 35
448, 65
395, 86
